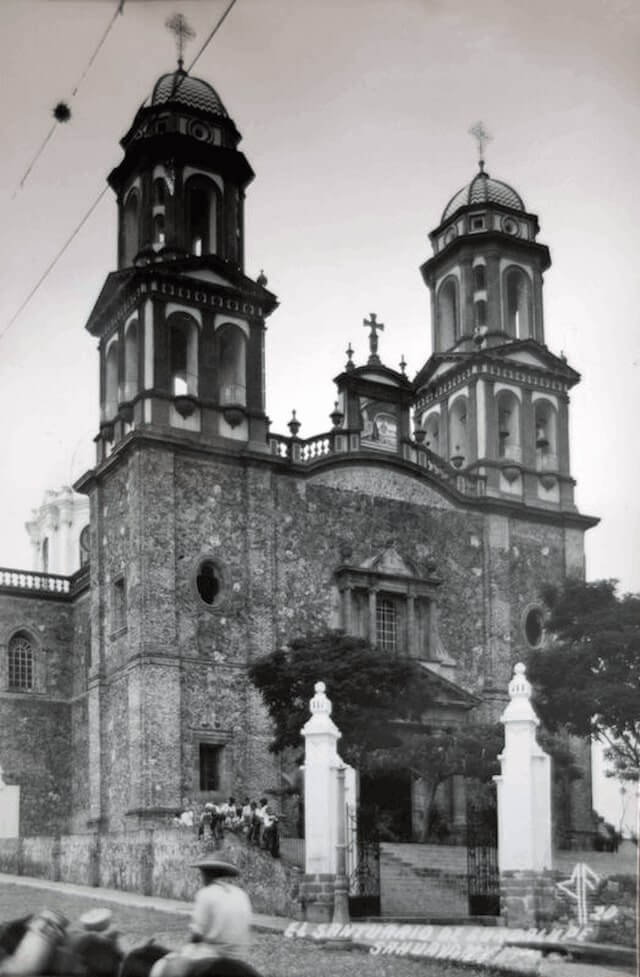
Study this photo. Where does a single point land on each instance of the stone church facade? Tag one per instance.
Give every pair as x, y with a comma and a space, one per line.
427, 519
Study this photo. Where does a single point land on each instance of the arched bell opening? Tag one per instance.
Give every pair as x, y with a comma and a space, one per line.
111, 381
546, 428
448, 310
509, 446
458, 435
202, 216
517, 303
183, 355
130, 228
232, 360
131, 347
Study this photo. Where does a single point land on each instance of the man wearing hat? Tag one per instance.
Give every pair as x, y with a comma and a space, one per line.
220, 922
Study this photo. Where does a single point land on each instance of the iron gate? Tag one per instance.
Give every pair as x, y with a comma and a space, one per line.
363, 867
483, 876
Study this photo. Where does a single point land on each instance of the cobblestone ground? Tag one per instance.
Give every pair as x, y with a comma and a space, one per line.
271, 954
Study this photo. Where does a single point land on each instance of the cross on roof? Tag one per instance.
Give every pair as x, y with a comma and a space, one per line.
372, 323
480, 134
183, 32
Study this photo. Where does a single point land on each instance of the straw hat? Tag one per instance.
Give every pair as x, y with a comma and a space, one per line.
215, 866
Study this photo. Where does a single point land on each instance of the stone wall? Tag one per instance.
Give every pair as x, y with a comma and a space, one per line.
152, 862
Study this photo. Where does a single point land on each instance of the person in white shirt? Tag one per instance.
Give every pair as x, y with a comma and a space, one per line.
220, 922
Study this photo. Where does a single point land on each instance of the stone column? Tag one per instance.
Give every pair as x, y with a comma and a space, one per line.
320, 806
524, 813
341, 890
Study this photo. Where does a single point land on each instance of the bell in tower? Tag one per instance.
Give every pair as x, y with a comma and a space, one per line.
180, 326
492, 399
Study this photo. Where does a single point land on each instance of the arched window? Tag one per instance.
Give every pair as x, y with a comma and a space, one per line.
448, 313
85, 547
183, 355
131, 360
45, 555
158, 230
131, 228
111, 381
517, 300
232, 365
546, 435
159, 192
202, 216
458, 441
509, 442
432, 429
20, 664
479, 278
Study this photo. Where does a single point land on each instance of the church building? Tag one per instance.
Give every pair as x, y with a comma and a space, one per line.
427, 518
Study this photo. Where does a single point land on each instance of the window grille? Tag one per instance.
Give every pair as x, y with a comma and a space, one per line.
20, 664
386, 624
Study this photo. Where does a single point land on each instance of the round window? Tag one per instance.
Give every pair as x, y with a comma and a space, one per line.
510, 226
208, 582
534, 627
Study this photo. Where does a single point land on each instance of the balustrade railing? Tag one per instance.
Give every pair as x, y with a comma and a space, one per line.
305, 451
48, 583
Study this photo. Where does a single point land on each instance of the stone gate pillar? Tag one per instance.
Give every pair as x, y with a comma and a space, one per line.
321, 736
524, 813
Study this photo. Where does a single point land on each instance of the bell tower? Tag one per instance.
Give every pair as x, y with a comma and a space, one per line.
180, 326
180, 330
492, 399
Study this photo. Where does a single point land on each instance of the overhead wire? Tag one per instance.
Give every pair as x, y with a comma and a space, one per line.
40, 150
95, 203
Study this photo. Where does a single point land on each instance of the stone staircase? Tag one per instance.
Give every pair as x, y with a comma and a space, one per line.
427, 881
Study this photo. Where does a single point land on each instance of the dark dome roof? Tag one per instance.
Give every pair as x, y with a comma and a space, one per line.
483, 190
193, 93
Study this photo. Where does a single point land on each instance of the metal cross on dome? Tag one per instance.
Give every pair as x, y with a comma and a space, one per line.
372, 323
179, 26
482, 136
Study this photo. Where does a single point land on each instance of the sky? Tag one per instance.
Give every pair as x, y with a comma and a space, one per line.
355, 116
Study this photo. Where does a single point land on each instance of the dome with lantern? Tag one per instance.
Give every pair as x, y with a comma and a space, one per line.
179, 88
483, 189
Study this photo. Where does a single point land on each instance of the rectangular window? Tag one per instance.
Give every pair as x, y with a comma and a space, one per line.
210, 766
119, 604
386, 624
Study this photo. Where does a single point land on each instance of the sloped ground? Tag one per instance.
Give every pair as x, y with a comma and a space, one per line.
271, 954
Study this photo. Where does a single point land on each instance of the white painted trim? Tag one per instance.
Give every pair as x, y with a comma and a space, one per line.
553, 400
147, 318
498, 387
193, 171
222, 319
195, 314
463, 392
481, 417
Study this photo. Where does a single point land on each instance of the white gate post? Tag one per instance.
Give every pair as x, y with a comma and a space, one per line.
524, 809
321, 761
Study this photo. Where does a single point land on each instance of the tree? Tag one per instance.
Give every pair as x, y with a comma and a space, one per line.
369, 691
586, 677
380, 704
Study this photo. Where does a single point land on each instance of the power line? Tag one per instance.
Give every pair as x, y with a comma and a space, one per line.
85, 72
212, 34
54, 262
93, 206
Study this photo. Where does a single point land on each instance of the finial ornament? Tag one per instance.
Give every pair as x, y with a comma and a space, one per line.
519, 686
403, 365
482, 137
373, 323
182, 31
320, 703
349, 352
